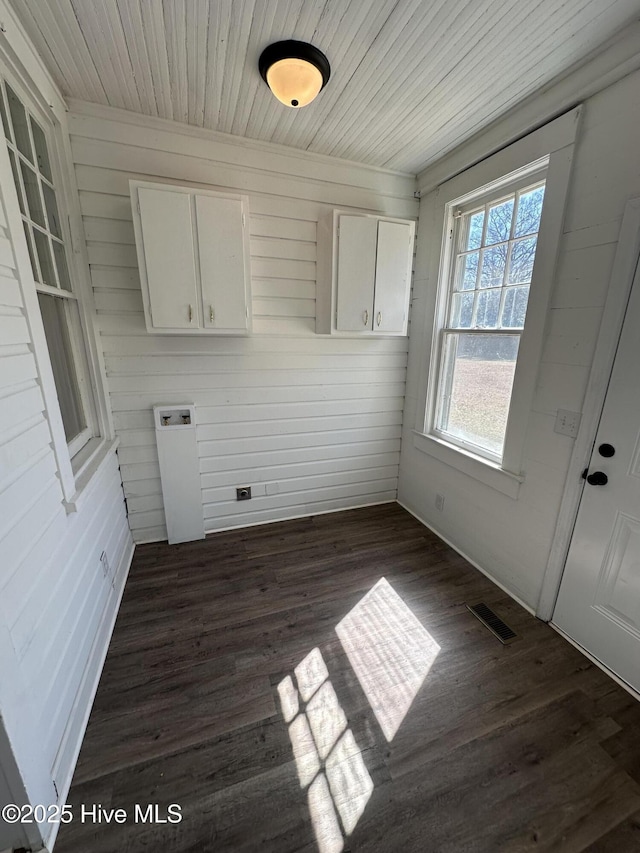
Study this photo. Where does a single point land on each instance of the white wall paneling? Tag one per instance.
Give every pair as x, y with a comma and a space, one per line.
57, 605
511, 539
312, 424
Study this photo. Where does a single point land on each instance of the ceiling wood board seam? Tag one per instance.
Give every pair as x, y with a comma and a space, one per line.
444, 97
506, 105
618, 58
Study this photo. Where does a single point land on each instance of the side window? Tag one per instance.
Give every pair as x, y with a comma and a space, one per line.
30, 159
484, 288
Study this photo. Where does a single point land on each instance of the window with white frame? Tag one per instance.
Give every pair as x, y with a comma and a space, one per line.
31, 164
492, 236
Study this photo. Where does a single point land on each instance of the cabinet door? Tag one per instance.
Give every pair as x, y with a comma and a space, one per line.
167, 237
221, 249
393, 268
356, 273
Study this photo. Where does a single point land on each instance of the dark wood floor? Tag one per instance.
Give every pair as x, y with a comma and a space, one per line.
515, 748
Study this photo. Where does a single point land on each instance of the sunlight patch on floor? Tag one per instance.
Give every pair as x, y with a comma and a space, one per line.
328, 761
390, 652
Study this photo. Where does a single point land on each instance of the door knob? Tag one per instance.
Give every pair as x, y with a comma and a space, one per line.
606, 450
598, 478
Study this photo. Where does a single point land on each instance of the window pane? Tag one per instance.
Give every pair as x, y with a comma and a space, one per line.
515, 307
5, 120
462, 310
522, 257
54, 317
42, 154
477, 381
488, 309
61, 265
34, 266
44, 256
493, 263
476, 221
16, 180
52, 210
467, 271
20, 127
499, 222
529, 212
34, 201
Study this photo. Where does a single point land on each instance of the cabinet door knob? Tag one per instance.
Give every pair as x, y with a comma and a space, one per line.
212, 314
379, 318
190, 313
365, 318
598, 478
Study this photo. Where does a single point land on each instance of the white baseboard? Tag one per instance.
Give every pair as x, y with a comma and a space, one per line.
469, 559
307, 514
67, 757
597, 662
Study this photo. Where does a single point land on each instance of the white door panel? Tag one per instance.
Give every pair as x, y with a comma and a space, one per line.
168, 251
356, 273
393, 265
599, 600
222, 262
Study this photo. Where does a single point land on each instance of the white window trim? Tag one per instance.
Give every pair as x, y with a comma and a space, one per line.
553, 143
51, 114
532, 173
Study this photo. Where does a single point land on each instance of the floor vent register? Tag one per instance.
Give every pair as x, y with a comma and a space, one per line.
494, 623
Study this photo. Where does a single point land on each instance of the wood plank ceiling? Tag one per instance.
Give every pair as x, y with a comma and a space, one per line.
410, 79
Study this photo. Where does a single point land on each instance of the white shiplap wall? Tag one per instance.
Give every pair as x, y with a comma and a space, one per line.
56, 605
311, 423
511, 539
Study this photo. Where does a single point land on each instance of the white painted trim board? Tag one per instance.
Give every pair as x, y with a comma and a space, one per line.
622, 274
91, 679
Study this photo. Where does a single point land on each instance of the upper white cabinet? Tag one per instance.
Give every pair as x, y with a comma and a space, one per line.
364, 274
193, 256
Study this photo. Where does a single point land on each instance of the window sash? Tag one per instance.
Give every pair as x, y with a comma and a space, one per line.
458, 215
46, 233
446, 376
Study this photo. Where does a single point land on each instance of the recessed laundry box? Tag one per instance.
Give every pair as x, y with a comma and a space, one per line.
179, 471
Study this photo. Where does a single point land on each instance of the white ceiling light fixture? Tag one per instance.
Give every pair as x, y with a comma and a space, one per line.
294, 71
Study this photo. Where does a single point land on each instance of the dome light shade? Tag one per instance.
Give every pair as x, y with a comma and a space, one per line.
294, 71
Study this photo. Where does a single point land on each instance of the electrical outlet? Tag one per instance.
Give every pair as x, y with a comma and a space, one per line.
567, 423
104, 560
243, 493
439, 502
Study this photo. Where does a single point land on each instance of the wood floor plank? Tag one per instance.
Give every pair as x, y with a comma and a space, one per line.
229, 690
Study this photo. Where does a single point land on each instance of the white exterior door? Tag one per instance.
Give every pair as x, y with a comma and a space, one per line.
599, 601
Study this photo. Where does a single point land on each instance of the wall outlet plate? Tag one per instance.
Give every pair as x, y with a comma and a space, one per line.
567, 423
243, 493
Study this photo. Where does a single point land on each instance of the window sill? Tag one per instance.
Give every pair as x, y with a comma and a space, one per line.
87, 464
468, 463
